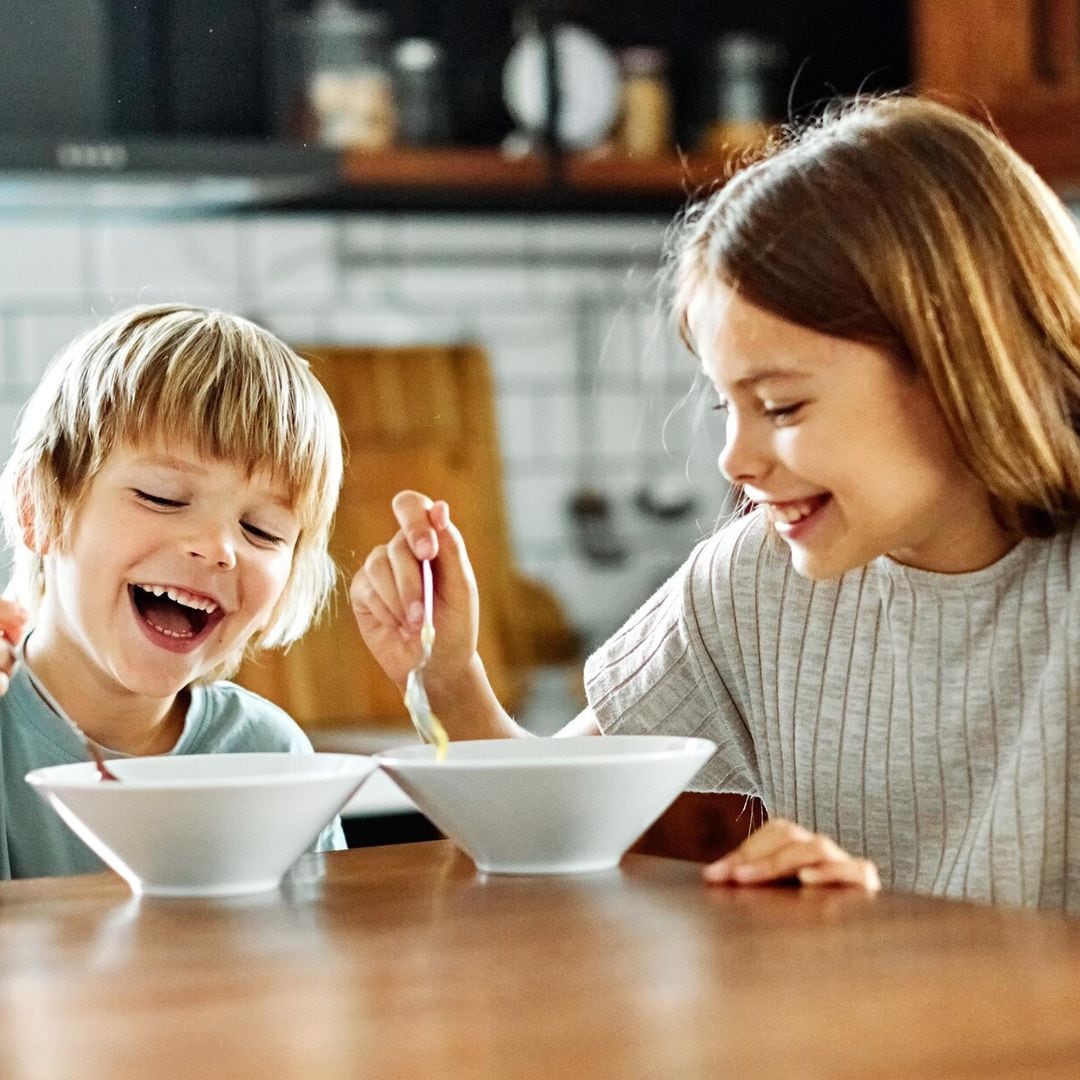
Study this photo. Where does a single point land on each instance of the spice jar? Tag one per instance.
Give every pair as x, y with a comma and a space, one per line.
645, 124
745, 66
420, 92
350, 88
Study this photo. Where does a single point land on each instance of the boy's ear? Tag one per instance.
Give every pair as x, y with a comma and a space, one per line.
36, 540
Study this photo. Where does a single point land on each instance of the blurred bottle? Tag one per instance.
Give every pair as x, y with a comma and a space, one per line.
645, 128
739, 112
333, 76
420, 93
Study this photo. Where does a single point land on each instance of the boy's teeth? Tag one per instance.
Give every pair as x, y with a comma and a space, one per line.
184, 598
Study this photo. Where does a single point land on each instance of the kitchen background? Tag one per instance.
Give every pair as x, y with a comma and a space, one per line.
608, 448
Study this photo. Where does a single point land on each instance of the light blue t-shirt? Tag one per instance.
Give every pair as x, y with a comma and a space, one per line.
222, 718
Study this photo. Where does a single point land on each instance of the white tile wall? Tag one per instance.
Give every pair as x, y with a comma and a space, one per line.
42, 260
568, 310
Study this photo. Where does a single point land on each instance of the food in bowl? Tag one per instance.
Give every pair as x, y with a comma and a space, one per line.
547, 806
203, 824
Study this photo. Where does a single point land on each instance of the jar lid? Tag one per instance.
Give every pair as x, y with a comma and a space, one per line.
340, 17
417, 54
642, 60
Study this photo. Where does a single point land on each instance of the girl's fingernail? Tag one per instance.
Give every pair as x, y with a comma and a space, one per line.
718, 871
416, 612
748, 872
810, 876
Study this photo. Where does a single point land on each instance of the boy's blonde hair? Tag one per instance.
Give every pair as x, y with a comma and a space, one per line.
900, 222
172, 372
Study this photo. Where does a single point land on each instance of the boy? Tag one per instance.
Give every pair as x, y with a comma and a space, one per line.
169, 501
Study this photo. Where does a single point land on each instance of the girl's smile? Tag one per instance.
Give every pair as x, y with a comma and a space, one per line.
843, 447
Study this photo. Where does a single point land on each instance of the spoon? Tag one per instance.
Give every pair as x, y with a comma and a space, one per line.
416, 699
92, 748
104, 772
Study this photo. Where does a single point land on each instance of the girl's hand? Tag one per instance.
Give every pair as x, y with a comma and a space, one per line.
782, 850
387, 597
12, 624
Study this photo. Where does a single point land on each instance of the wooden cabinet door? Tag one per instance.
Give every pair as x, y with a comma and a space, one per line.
1018, 61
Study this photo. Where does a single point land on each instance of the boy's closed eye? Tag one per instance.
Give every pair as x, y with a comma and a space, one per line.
157, 500
259, 534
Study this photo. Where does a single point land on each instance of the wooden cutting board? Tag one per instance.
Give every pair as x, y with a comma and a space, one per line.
419, 418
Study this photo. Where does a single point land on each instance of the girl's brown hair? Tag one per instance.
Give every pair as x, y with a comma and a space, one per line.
901, 223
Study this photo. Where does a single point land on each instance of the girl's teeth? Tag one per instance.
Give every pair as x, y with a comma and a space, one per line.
791, 512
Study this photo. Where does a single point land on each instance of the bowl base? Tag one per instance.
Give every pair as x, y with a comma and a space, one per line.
550, 869
244, 888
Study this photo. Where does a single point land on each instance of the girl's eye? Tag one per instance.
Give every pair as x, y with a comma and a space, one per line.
156, 500
782, 414
261, 534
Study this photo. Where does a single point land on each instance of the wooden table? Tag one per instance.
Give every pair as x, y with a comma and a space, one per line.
403, 962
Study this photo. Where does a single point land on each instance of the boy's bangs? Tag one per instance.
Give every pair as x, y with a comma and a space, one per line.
260, 410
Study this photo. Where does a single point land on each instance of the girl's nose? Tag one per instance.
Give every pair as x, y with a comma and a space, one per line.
744, 458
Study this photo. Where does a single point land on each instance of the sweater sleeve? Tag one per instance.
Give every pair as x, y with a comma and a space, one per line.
674, 668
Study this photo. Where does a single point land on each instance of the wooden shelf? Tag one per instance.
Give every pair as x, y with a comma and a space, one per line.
486, 178
456, 169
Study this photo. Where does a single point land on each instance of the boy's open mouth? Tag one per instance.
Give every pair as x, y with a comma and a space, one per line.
174, 613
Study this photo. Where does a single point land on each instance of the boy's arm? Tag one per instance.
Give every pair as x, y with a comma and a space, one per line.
388, 605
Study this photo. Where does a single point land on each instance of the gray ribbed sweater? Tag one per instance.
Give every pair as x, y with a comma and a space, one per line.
930, 722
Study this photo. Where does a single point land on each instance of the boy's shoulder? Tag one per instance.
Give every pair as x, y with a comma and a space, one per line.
224, 717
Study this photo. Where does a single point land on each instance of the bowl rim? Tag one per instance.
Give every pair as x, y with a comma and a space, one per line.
424, 756
44, 776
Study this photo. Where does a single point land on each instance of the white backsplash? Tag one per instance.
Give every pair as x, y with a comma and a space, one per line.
585, 364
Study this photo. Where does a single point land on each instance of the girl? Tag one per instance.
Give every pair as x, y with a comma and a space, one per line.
883, 649
169, 500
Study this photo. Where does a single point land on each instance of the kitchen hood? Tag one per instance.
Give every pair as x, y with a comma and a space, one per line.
173, 174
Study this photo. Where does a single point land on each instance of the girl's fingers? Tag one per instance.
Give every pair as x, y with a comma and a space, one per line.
773, 835
421, 519
368, 608
780, 850
407, 581
374, 590
788, 860
860, 872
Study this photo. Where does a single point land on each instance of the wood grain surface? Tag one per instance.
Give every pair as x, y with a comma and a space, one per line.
404, 962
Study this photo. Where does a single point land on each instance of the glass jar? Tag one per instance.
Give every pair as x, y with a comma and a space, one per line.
645, 123
342, 96
745, 68
420, 93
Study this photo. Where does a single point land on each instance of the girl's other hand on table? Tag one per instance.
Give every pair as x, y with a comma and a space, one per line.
781, 850
12, 623
387, 595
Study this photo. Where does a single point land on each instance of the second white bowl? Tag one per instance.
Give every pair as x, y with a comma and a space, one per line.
547, 806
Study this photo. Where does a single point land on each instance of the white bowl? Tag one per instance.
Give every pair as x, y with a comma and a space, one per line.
547, 806
203, 824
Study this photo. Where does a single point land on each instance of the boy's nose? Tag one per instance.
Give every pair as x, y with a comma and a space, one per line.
744, 458
214, 546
